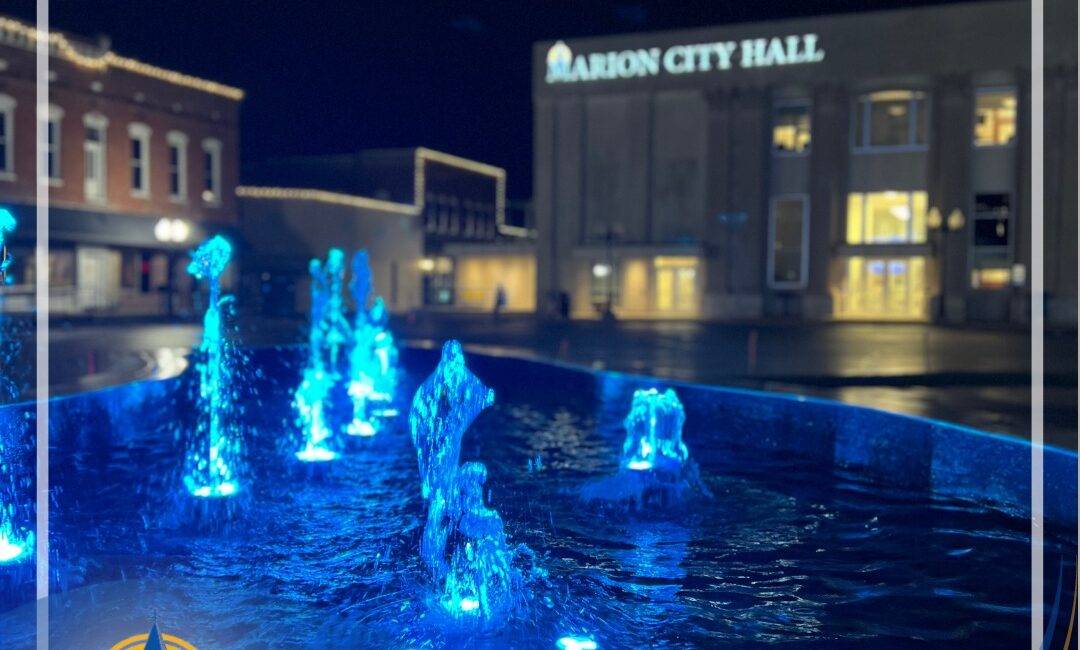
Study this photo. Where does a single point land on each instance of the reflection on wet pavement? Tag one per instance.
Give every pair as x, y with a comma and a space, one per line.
976, 377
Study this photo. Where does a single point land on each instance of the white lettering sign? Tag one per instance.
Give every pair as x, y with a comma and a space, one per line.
563, 66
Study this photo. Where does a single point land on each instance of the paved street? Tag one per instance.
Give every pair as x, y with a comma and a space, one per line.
977, 377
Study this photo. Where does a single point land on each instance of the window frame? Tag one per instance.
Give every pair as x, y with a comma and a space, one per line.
213, 148
179, 141
792, 103
1016, 118
7, 114
804, 257
98, 122
137, 131
975, 252
56, 123
863, 103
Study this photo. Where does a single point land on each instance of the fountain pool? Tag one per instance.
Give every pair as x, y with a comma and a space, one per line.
825, 525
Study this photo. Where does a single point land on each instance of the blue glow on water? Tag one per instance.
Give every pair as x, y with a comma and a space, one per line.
212, 460
310, 402
654, 432
576, 643
373, 357
15, 550
464, 544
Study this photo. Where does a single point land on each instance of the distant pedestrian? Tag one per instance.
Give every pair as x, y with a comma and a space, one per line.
500, 301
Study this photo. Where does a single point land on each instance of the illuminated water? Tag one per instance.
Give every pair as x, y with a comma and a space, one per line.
788, 550
464, 545
16, 540
212, 460
373, 357
329, 331
655, 471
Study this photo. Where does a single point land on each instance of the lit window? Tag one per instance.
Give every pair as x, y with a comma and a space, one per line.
992, 278
995, 117
94, 144
211, 171
7, 137
177, 166
52, 144
788, 231
791, 128
890, 119
140, 159
886, 218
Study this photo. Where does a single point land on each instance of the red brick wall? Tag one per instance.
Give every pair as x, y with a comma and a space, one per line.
123, 98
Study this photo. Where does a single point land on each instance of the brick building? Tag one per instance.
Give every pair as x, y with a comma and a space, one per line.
142, 163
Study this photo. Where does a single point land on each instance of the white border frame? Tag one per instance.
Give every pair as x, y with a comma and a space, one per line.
1037, 305
41, 329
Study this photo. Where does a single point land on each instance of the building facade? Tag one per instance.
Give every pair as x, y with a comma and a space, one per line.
866, 166
468, 246
142, 163
283, 229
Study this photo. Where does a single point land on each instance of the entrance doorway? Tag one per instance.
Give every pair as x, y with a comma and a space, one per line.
676, 284
875, 288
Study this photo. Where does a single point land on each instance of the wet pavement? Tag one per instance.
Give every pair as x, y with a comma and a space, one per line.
974, 376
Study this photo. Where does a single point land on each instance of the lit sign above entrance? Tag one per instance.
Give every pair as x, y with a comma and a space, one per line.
563, 66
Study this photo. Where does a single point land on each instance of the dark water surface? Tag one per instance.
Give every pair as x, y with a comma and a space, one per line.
785, 552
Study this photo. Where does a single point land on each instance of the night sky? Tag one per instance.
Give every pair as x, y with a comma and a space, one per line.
332, 77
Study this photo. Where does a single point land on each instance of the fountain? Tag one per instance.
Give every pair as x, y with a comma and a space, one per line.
329, 331
464, 545
212, 461
16, 543
655, 467
373, 359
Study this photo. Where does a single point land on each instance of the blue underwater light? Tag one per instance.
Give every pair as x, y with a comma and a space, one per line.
576, 643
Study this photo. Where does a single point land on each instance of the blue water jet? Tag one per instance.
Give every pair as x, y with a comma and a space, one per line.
654, 433
464, 545
212, 461
655, 468
373, 358
329, 331
16, 542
